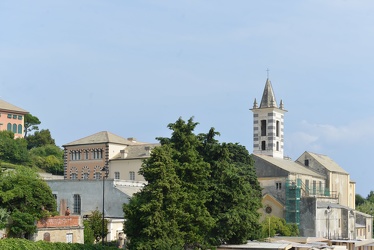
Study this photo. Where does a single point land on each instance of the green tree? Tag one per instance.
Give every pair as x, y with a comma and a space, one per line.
39, 139
95, 223
13, 150
4, 215
278, 226
27, 198
31, 123
48, 157
199, 193
89, 237
359, 200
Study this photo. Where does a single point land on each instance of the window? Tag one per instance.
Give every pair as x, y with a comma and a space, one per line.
14, 116
69, 238
278, 185
19, 129
9, 115
277, 129
77, 204
277, 145
20, 117
132, 175
116, 175
75, 155
74, 176
314, 187
97, 175
307, 187
86, 155
263, 145
306, 162
98, 154
263, 127
85, 176
14, 128
9, 127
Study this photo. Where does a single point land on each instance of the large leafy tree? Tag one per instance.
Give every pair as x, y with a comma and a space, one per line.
13, 150
39, 139
49, 158
95, 224
199, 193
27, 198
31, 123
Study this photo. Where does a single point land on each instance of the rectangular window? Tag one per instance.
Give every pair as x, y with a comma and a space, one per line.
85, 176
15, 116
263, 127
277, 129
116, 175
132, 175
69, 238
20, 117
86, 155
263, 145
314, 187
278, 185
307, 187
9, 115
306, 162
77, 204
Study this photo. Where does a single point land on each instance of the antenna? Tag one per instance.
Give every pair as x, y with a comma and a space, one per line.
267, 72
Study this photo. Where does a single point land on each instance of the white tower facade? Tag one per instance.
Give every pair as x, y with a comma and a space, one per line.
268, 124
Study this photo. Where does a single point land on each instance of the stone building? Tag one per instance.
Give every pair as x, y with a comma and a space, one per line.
67, 229
85, 158
314, 191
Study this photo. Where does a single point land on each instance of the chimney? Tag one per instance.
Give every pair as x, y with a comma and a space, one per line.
124, 153
132, 139
147, 150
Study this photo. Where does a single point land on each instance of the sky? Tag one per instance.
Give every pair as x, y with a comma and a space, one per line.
133, 67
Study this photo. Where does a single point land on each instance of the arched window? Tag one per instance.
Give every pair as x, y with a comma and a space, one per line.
77, 204
9, 127
277, 129
20, 129
14, 128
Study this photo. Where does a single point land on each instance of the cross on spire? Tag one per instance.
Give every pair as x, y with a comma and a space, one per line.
267, 72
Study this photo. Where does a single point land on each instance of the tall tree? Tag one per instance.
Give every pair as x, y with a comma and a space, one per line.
39, 139
199, 193
31, 123
27, 198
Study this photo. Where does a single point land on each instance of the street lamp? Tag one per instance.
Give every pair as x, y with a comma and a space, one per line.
105, 173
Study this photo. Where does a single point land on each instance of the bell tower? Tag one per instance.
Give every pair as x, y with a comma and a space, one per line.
268, 124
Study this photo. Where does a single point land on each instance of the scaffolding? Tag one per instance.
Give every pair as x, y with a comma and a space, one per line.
293, 194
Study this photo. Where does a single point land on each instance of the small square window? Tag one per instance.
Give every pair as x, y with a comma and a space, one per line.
278, 185
9, 115
20, 117
15, 116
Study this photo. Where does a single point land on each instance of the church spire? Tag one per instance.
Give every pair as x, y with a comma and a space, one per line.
268, 124
268, 97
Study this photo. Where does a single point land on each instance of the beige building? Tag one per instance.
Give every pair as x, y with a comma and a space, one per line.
12, 118
85, 158
314, 191
67, 229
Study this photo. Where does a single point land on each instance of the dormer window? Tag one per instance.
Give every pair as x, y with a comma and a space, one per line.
306, 162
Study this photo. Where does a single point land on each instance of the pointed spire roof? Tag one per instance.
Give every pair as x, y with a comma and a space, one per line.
268, 97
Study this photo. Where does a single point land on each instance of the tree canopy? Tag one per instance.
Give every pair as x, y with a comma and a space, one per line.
26, 197
31, 123
200, 193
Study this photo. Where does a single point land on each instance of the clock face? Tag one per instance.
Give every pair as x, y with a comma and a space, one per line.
268, 209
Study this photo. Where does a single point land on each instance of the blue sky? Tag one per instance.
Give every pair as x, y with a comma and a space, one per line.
132, 67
